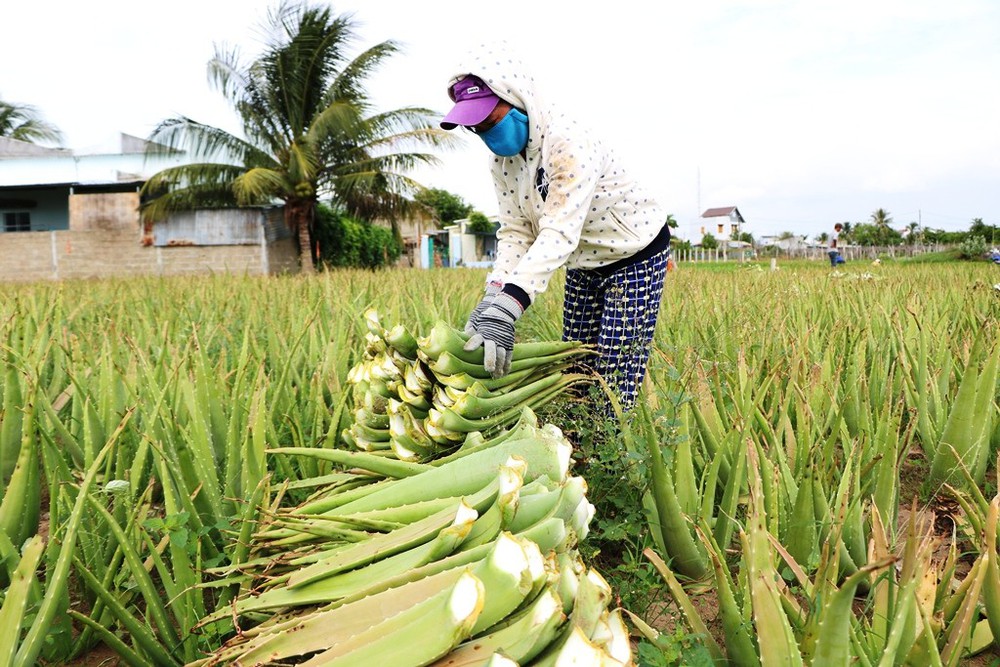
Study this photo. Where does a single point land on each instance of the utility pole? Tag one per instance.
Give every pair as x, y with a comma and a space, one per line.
697, 214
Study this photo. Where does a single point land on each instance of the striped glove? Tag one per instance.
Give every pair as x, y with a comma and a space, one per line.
492, 289
495, 332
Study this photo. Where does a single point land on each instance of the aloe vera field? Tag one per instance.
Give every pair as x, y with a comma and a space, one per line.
310, 470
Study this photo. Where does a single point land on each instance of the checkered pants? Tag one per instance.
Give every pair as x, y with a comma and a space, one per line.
616, 313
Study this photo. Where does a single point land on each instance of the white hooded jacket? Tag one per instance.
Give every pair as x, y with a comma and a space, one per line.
568, 202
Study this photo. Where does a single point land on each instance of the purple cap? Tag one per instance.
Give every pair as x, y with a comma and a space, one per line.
473, 103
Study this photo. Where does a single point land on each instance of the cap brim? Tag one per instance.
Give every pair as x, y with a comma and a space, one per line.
470, 112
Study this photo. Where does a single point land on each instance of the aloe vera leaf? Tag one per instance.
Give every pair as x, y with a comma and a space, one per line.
900, 640
525, 427
774, 632
19, 506
312, 633
389, 544
421, 634
991, 583
16, 598
961, 627
592, 598
507, 579
687, 608
473, 406
383, 573
57, 581
443, 338
449, 420
376, 464
684, 553
958, 442
144, 582
802, 538
543, 457
497, 517
141, 634
575, 648
122, 650
833, 642
520, 641
450, 364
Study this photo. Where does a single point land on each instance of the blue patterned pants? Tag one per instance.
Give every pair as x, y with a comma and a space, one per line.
617, 314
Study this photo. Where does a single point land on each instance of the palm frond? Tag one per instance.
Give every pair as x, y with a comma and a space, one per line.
349, 83
339, 121
24, 123
195, 174
204, 142
306, 50
302, 165
260, 185
192, 197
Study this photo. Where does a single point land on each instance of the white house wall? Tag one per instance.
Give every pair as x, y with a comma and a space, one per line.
51, 169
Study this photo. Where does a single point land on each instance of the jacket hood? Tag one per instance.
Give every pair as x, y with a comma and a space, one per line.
507, 76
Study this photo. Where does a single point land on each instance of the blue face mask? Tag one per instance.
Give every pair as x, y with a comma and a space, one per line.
509, 136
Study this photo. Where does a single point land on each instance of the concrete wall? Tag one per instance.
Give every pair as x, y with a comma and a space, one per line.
105, 212
66, 255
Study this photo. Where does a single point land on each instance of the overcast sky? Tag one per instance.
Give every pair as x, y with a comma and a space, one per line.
801, 113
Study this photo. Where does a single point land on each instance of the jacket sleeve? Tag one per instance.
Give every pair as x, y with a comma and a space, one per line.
574, 169
515, 234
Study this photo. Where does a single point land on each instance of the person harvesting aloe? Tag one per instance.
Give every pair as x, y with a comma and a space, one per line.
565, 201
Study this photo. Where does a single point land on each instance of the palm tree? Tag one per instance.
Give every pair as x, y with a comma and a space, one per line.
310, 131
23, 122
881, 219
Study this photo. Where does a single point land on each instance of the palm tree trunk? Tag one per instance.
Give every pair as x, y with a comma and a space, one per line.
305, 252
298, 217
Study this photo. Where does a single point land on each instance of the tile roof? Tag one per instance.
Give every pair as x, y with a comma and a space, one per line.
722, 211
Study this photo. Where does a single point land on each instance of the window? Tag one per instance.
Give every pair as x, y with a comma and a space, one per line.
702, 231
720, 227
735, 229
17, 222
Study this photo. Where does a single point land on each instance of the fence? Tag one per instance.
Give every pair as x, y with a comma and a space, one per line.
850, 253
62, 255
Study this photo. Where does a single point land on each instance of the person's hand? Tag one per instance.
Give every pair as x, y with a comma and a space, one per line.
495, 333
492, 290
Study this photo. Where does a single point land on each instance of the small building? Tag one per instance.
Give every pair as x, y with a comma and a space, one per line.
725, 223
785, 242
66, 214
459, 245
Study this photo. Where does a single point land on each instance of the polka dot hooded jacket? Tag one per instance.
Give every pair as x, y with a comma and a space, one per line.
568, 202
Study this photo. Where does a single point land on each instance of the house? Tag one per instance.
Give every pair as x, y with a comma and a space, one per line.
69, 214
459, 245
412, 230
725, 224
786, 242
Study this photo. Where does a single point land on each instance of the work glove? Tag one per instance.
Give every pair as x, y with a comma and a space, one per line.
494, 331
492, 289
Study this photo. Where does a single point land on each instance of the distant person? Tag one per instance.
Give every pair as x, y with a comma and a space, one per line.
565, 201
834, 252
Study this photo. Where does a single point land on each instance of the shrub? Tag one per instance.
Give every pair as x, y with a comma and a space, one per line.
479, 223
973, 247
345, 242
